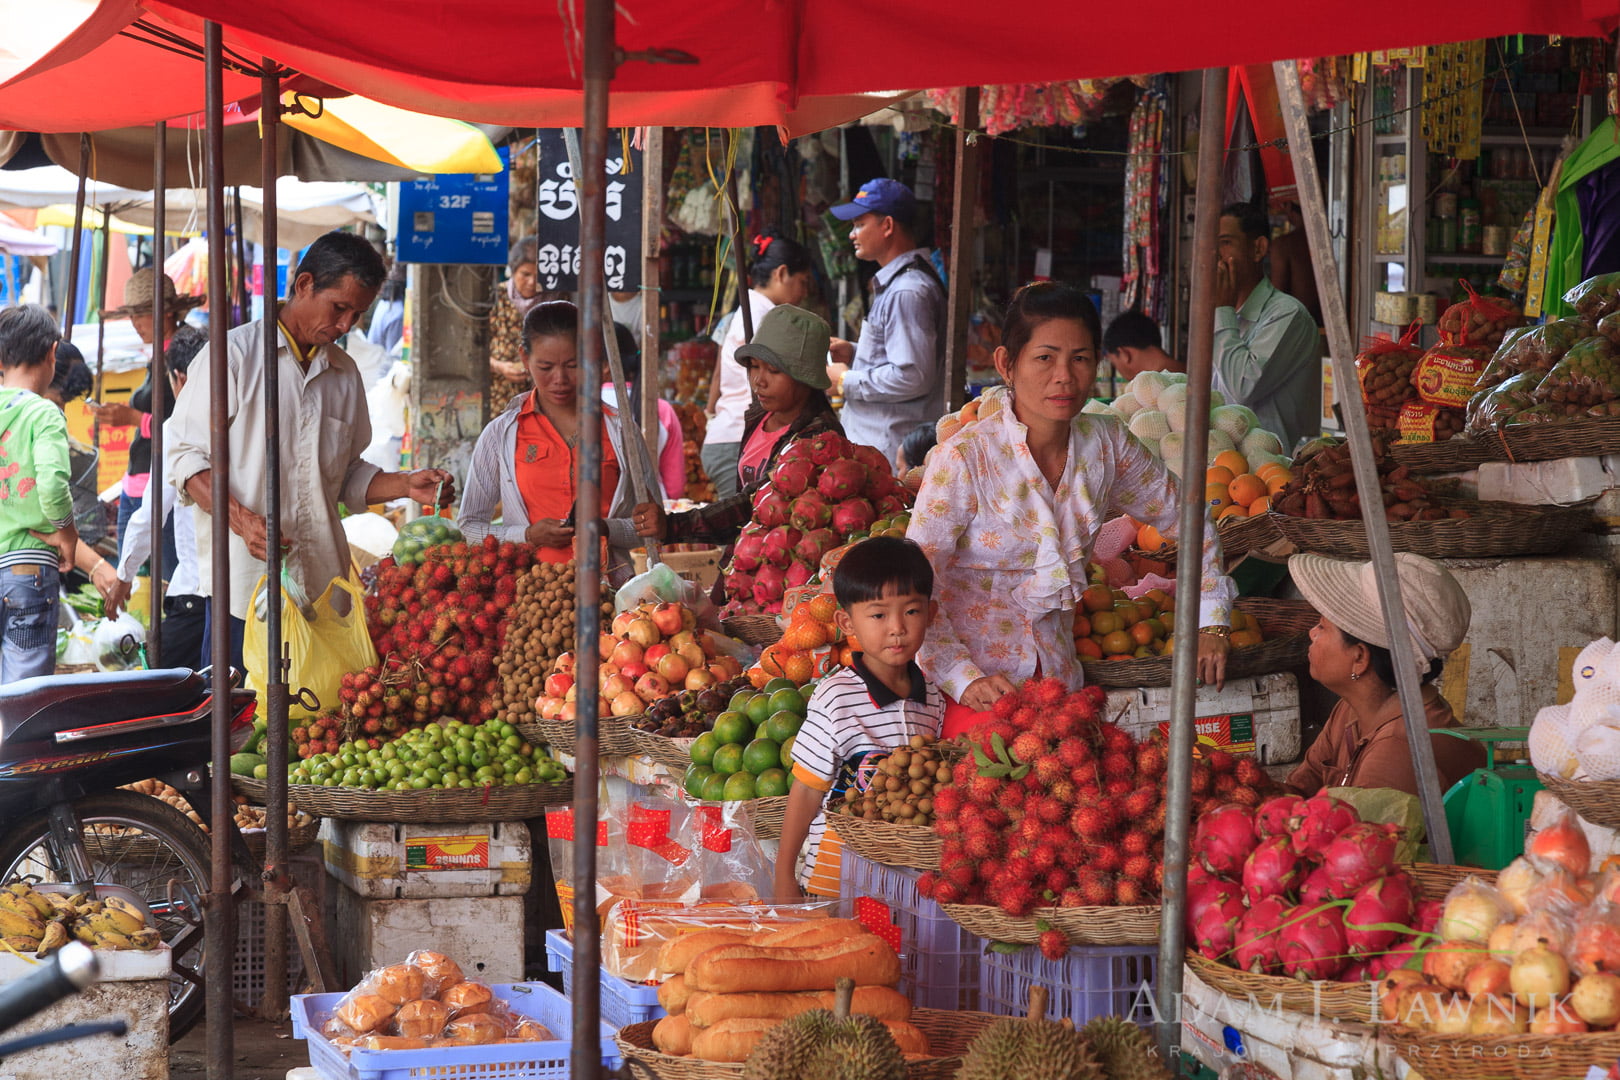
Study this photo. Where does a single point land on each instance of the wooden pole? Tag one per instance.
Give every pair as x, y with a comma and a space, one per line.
155, 569
652, 232
71, 300
963, 232
1408, 682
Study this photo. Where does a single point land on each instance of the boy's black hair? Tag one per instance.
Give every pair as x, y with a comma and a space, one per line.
27, 333
183, 347
879, 565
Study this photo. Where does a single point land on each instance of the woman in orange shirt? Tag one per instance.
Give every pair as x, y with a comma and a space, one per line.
525, 466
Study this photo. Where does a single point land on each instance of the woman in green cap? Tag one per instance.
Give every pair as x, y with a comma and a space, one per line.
787, 371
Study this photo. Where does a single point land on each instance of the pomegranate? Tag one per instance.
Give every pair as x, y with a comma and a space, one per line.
1490, 977
1539, 977
1319, 820
672, 667
626, 652
1596, 999
1493, 1015
1360, 854
1390, 985
1553, 926
1257, 937
1379, 913
669, 618
1449, 962
1272, 817
1562, 843
1472, 911
1272, 869
1311, 943
651, 687
627, 704
1224, 838
1515, 882
643, 632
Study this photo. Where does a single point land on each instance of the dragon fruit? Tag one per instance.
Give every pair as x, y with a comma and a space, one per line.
1216, 929
852, 516
1316, 889
1311, 943
826, 448
794, 478
793, 451
890, 505
778, 546
810, 512
1206, 892
1224, 838
1361, 854
814, 545
1394, 959
798, 574
1378, 914
1426, 916
770, 508
1272, 869
1258, 939
768, 585
872, 458
1273, 815
843, 479
750, 550
879, 486
740, 585
1319, 820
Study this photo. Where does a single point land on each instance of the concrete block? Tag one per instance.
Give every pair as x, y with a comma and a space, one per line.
142, 1054
483, 934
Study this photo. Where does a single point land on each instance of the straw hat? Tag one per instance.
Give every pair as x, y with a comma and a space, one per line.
138, 296
1437, 610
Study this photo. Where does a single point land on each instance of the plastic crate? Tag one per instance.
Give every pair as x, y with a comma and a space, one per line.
939, 961
502, 1061
1093, 981
623, 1002
247, 969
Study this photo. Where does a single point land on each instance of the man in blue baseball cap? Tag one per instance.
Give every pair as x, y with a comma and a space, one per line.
893, 379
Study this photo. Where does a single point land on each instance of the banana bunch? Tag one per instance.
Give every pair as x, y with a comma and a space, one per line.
41, 922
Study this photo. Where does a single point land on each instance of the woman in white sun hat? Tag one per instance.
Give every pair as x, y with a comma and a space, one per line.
1364, 743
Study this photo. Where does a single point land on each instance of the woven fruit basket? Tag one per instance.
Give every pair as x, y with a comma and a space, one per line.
948, 1034
1493, 530
1522, 1057
916, 847
299, 838
508, 802
1598, 801
1340, 1001
612, 735
673, 754
757, 630
1434, 880
1135, 925
1285, 624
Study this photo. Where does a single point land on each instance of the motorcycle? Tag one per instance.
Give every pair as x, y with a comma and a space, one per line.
68, 744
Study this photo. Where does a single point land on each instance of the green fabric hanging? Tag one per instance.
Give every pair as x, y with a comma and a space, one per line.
1568, 247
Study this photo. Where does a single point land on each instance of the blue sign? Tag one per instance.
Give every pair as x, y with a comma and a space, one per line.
455, 219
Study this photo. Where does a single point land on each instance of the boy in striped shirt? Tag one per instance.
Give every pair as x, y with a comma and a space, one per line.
885, 591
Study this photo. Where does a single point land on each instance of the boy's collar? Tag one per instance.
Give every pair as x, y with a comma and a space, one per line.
882, 696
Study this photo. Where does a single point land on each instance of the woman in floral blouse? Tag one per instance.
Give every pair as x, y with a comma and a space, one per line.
1012, 503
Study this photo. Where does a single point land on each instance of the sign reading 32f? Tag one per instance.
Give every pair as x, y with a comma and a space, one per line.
557, 203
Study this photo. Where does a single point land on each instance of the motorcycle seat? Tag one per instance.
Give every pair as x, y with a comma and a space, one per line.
32, 709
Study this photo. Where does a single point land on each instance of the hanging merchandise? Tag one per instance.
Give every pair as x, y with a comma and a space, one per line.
1324, 81
1007, 108
1145, 185
692, 201
1453, 88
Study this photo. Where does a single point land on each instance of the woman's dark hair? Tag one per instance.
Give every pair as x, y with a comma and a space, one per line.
918, 441
1043, 301
1382, 664
27, 333
526, 250
72, 379
771, 251
554, 318
183, 347
881, 564
336, 255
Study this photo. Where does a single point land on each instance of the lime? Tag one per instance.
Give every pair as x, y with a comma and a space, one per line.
759, 709
733, 727
739, 700
714, 787
779, 684
728, 759
703, 748
738, 786
771, 783
260, 772
761, 754
783, 725
692, 783
807, 689
787, 753
788, 699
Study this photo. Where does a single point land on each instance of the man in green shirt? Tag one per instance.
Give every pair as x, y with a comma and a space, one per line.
37, 535
1268, 354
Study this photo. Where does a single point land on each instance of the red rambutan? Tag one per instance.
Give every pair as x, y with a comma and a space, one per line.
1096, 888
1151, 761
981, 844
1107, 857
1091, 821
926, 883
1018, 898
1046, 693
1138, 867
946, 893
1200, 779
1225, 783
1117, 764
1050, 810
1129, 892
1138, 804
1057, 880
1005, 706
1027, 747
1118, 786
984, 790
947, 802
1221, 761
1072, 897
1074, 752
1136, 842
1049, 769
1054, 946
1250, 774
1117, 739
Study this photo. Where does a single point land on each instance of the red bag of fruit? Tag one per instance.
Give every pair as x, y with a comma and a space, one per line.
1422, 422
1478, 320
1447, 373
1384, 369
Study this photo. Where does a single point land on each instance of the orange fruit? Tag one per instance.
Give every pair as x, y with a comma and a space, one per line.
1233, 511
1128, 616
1155, 627
1265, 471
1275, 484
800, 667
1218, 474
1217, 496
757, 676
1117, 642
1097, 598
1149, 539
1160, 598
1082, 625
1233, 460
1244, 637
1088, 648
805, 636
823, 607
1106, 622
1260, 505
1119, 656
1142, 633
1247, 488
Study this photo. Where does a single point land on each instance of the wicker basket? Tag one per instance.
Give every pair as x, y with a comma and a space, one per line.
1451, 455
1137, 925
672, 754
913, 846
1495, 530
254, 791
1587, 436
612, 735
299, 838
948, 1034
1598, 801
768, 815
1434, 881
1531, 1057
509, 802
760, 630
1284, 622
1341, 1001
1241, 535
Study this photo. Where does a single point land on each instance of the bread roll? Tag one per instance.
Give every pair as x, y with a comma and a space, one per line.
467, 999
421, 1019
399, 983
394, 1042
527, 1030
673, 1035
706, 1010
907, 1037
678, 951
730, 1040
809, 932
474, 1030
440, 970
672, 994
733, 969
364, 1013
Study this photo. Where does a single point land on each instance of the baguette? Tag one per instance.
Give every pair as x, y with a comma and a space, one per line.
678, 951
907, 1037
673, 995
673, 1035
733, 969
705, 1010
808, 932
730, 1040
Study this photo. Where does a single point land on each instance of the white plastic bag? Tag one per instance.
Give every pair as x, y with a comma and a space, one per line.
116, 643
81, 645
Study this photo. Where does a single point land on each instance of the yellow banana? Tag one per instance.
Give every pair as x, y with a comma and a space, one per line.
117, 920
118, 903
60, 905
10, 901
79, 899
107, 939
84, 933
56, 936
146, 940
42, 907
85, 910
18, 943
13, 922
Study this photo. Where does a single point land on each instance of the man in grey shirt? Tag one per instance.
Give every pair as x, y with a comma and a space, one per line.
893, 379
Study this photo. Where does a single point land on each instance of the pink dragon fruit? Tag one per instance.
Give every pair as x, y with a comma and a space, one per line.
1258, 939
814, 545
1395, 959
1312, 943
1426, 916
826, 448
768, 585
1215, 932
810, 512
779, 545
794, 477
1319, 820
1359, 971
1224, 838
798, 574
852, 515
871, 457
890, 505
841, 480
1316, 889
797, 450
770, 508
1272, 869
1273, 815
1361, 854
739, 586
750, 550
1378, 913
879, 486
1206, 891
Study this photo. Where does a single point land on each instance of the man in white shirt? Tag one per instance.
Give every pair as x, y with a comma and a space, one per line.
323, 429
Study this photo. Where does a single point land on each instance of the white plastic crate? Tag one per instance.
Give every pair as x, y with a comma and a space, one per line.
1257, 715
501, 1061
1092, 981
939, 961
247, 970
383, 861
623, 1002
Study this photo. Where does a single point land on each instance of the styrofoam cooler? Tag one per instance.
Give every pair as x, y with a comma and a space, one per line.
1257, 715
1092, 981
623, 1002
382, 861
939, 961
484, 934
133, 986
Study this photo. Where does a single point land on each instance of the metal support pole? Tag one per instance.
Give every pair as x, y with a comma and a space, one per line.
71, 300
585, 1062
274, 1004
652, 235
160, 397
739, 255
239, 295
963, 221
1408, 681
219, 910
101, 324
1190, 539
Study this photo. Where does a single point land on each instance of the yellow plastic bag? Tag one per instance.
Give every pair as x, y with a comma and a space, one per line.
323, 643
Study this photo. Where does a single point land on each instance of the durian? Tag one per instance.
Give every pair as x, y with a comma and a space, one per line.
1125, 1049
1032, 1049
822, 1045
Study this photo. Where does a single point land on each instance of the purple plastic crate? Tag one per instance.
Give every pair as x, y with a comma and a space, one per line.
1092, 981
939, 961
623, 1002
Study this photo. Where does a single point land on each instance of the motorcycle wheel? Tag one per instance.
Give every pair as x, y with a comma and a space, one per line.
144, 844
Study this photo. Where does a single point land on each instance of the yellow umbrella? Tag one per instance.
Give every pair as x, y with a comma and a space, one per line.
62, 214
426, 144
